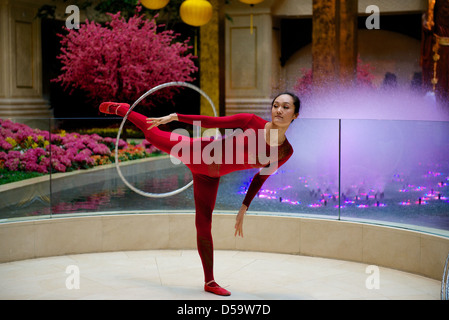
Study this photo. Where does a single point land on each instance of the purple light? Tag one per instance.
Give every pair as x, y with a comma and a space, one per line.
432, 174
291, 201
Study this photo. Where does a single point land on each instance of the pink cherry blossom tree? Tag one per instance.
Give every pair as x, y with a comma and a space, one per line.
123, 59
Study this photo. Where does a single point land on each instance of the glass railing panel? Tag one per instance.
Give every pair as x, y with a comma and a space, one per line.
307, 185
24, 165
92, 185
396, 173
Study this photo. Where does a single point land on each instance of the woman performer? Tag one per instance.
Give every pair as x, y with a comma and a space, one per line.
246, 148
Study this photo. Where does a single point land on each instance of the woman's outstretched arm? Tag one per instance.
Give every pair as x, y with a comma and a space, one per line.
235, 121
227, 122
256, 184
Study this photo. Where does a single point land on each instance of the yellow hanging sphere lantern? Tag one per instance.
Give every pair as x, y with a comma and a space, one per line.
154, 4
196, 12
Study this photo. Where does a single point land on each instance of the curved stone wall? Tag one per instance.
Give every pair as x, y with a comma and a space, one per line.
405, 250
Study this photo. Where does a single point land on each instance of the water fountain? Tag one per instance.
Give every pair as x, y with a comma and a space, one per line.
383, 150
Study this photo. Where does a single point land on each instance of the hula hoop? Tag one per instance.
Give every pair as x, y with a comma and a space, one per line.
117, 163
445, 281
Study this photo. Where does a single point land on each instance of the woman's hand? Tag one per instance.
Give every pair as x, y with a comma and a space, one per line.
239, 221
155, 122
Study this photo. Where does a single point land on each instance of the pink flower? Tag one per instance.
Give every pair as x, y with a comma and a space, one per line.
45, 163
71, 153
13, 155
41, 169
5, 145
31, 167
55, 150
122, 144
58, 166
119, 61
101, 149
63, 159
12, 164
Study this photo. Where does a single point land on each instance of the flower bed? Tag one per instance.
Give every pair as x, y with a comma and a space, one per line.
23, 149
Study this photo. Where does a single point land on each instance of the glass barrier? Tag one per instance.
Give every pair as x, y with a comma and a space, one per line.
25, 189
100, 190
396, 173
307, 184
387, 172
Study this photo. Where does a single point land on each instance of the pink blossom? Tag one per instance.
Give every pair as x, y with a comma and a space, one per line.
41, 169
122, 144
101, 149
55, 150
13, 155
66, 152
71, 153
45, 162
63, 159
12, 164
120, 61
58, 166
31, 167
5, 145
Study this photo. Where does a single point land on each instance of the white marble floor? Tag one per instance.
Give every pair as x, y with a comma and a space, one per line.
177, 275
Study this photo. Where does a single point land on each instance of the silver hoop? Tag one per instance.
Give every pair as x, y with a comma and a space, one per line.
445, 281
117, 165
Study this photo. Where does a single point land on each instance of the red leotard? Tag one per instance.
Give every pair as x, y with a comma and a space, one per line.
214, 162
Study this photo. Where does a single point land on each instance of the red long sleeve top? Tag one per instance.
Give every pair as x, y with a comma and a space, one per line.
244, 148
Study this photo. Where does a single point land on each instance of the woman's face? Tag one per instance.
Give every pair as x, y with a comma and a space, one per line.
283, 111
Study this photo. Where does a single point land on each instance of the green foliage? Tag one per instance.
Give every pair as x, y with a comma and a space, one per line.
7, 176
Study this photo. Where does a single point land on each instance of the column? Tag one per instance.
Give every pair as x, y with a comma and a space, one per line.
348, 41
334, 44
212, 61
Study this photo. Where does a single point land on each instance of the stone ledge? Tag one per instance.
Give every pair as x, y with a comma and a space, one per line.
404, 250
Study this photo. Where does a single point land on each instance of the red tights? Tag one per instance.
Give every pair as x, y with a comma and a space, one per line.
205, 188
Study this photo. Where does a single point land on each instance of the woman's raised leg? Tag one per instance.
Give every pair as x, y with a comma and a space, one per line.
163, 140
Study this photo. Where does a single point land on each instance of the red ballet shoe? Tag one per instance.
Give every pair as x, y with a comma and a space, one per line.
216, 289
112, 107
